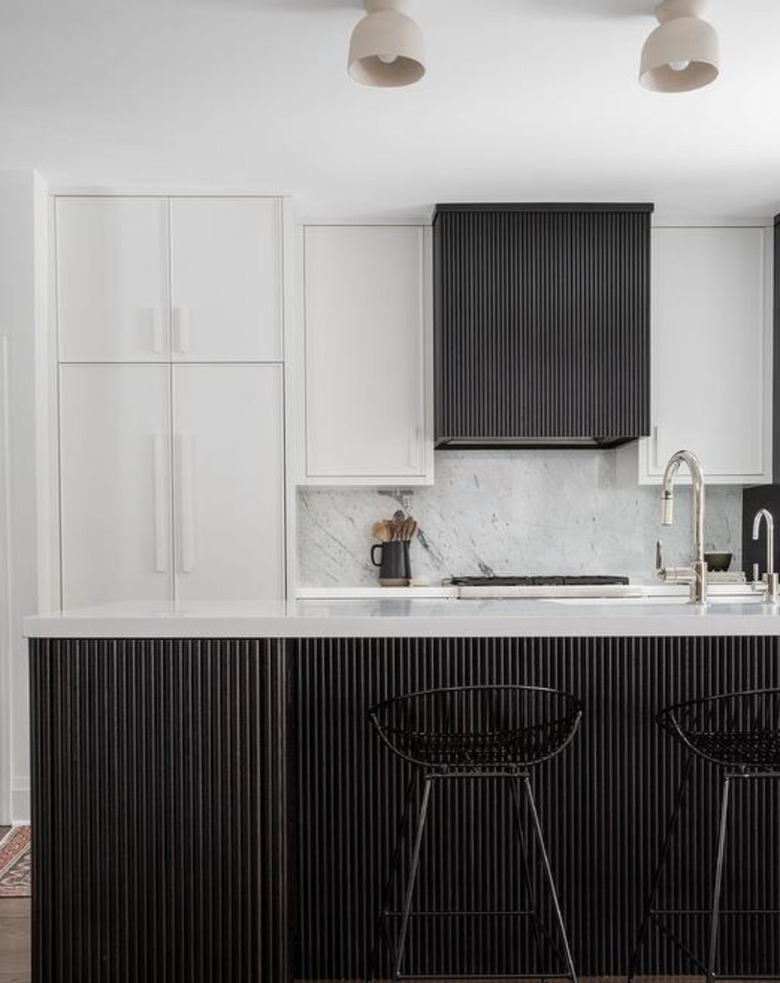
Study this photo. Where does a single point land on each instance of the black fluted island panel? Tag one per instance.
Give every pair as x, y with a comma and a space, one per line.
158, 812
219, 810
604, 803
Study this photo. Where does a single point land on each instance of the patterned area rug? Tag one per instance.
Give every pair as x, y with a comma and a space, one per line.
15, 863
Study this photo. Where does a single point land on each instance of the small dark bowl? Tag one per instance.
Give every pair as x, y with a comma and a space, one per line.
717, 561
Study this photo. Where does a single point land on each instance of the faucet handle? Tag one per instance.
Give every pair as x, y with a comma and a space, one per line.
667, 507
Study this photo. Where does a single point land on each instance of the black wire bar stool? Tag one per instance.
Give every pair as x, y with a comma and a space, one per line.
474, 732
740, 733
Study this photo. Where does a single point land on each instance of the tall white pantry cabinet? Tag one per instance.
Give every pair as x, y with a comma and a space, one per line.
171, 421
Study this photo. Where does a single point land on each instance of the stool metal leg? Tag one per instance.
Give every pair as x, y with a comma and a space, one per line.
415, 862
381, 927
659, 869
514, 784
548, 871
716, 890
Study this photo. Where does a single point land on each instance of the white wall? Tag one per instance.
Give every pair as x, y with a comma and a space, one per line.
22, 328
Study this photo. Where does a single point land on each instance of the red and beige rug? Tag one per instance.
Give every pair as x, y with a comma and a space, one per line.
15, 863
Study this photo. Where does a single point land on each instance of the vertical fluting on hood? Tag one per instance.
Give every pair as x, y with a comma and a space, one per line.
542, 325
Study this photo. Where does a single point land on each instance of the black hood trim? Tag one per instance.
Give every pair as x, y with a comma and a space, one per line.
530, 443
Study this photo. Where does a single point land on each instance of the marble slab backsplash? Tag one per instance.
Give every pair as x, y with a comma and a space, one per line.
512, 512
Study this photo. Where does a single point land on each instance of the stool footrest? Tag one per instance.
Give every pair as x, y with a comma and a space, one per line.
708, 911
459, 914
495, 976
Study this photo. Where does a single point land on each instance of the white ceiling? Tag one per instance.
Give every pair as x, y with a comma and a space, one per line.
524, 100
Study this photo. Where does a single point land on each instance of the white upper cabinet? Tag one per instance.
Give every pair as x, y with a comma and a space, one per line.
228, 482
226, 279
112, 279
150, 279
367, 335
711, 364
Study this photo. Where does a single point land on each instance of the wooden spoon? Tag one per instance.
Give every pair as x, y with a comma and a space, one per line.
381, 531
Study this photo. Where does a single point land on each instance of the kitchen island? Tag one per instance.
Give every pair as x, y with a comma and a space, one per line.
210, 803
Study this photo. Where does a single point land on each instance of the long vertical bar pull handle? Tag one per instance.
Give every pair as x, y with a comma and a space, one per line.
186, 483
160, 505
414, 451
181, 330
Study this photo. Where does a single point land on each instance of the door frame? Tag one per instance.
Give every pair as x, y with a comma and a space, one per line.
6, 595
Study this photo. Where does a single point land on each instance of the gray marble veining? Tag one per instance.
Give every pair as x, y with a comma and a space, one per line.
511, 512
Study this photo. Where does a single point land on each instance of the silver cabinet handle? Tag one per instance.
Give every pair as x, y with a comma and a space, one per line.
160, 505
655, 446
181, 330
414, 454
185, 482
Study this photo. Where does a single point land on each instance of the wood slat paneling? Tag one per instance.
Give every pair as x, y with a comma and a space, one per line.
604, 803
158, 812
542, 324
169, 776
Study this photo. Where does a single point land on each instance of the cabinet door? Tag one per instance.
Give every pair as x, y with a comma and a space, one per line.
711, 350
115, 483
365, 353
228, 482
112, 279
226, 279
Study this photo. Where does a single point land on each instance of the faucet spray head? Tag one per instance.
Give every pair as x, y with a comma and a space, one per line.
667, 508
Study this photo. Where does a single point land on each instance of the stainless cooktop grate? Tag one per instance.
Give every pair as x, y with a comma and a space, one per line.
538, 581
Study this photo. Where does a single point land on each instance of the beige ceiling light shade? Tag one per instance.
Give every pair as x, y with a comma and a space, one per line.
682, 52
387, 46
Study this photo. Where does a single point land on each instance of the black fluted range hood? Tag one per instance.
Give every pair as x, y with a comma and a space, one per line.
541, 324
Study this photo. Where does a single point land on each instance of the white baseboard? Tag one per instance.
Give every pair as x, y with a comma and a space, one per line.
20, 801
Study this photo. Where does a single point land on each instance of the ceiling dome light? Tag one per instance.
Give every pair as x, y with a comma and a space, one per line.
387, 47
682, 52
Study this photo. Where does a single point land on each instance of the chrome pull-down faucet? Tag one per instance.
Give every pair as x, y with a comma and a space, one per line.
696, 574
770, 576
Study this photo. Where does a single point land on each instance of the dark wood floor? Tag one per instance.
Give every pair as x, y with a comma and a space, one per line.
14, 937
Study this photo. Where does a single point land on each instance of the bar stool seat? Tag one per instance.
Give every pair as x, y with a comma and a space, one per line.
473, 729
736, 730
474, 732
740, 733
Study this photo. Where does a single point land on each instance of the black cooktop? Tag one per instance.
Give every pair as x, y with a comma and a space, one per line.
536, 581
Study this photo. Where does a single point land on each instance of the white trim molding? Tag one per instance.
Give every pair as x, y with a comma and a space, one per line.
20, 801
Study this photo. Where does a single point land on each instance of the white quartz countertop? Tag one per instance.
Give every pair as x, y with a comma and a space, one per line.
413, 617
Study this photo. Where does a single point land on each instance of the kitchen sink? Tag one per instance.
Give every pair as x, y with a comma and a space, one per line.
616, 594
656, 600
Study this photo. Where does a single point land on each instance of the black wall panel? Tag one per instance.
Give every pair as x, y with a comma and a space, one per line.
158, 812
541, 324
604, 804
